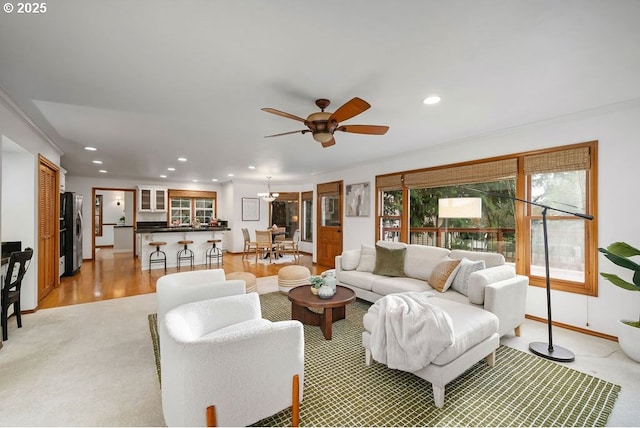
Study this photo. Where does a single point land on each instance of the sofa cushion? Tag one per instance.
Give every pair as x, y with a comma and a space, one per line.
354, 278
367, 258
443, 274
384, 285
420, 260
490, 259
389, 261
466, 268
391, 244
350, 259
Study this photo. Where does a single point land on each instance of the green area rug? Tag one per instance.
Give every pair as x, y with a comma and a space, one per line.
521, 390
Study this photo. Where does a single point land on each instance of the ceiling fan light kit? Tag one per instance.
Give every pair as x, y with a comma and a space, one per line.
323, 125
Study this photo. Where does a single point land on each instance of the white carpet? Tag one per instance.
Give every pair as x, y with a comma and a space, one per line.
284, 259
85, 365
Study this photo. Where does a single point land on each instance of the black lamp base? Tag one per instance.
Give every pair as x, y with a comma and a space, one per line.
558, 353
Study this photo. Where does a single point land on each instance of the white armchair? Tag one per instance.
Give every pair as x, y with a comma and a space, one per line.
221, 353
185, 287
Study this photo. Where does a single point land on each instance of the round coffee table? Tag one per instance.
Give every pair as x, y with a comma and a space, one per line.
333, 309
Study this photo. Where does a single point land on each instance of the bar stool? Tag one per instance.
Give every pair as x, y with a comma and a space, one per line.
185, 253
161, 255
213, 252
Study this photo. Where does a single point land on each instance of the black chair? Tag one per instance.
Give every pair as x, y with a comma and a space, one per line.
12, 285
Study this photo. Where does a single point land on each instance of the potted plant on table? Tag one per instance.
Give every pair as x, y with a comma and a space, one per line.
620, 253
316, 282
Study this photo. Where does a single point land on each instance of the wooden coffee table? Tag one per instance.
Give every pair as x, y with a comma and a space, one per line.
333, 309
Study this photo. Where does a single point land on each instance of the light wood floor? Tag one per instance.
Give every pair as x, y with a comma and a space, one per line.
110, 276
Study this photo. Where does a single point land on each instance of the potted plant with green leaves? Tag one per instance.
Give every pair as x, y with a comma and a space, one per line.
620, 253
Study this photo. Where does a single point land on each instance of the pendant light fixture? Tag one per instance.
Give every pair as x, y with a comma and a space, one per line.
268, 197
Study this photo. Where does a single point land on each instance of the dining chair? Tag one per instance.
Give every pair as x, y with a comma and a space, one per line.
249, 245
265, 244
291, 246
12, 285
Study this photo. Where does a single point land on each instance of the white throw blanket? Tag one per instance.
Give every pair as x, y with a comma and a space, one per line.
410, 332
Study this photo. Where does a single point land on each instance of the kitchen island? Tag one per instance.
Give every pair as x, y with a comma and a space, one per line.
171, 235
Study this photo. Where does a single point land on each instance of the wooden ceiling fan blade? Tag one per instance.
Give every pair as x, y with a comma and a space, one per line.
351, 108
329, 143
364, 129
283, 114
302, 131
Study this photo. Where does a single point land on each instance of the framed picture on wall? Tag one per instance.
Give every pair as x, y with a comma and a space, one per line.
250, 209
358, 200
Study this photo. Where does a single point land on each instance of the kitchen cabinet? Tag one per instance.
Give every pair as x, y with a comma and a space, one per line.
152, 199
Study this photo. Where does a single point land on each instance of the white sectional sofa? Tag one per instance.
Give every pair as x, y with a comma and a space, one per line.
494, 287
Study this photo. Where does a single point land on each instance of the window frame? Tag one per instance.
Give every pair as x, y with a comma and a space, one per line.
193, 196
589, 287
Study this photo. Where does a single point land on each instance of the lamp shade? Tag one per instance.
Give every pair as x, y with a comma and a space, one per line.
460, 208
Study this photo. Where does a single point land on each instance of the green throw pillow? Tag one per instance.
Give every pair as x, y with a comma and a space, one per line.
389, 262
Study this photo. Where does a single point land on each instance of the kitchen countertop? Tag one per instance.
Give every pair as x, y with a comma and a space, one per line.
180, 229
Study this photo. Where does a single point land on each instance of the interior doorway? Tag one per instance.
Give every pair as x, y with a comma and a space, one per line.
113, 220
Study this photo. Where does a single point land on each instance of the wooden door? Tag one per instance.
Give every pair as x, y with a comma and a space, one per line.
48, 227
329, 221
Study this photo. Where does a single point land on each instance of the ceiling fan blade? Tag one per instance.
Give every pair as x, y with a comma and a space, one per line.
302, 131
283, 114
349, 109
364, 129
328, 143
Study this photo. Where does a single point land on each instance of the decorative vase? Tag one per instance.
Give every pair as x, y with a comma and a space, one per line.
629, 340
314, 290
330, 280
325, 292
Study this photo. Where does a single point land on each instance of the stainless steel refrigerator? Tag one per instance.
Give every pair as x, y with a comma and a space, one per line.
71, 215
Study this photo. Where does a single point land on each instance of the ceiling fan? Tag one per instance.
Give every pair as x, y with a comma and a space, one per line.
323, 124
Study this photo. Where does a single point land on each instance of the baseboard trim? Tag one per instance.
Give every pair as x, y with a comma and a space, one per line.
573, 328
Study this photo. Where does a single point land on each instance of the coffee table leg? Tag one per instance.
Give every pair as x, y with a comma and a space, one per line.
326, 323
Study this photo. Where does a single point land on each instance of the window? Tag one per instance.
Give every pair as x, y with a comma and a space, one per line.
563, 178
284, 212
186, 205
307, 216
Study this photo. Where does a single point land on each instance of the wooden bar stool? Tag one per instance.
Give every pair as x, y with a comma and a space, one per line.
185, 253
213, 252
161, 256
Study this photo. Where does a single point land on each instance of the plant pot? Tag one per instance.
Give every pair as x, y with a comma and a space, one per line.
314, 290
629, 339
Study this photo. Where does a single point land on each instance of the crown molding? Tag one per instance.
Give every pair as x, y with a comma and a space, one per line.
22, 116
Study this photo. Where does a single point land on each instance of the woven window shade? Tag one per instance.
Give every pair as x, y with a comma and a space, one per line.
563, 160
465, 174
389, 182
333, 187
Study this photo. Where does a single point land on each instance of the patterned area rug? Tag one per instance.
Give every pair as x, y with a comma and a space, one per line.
521, 390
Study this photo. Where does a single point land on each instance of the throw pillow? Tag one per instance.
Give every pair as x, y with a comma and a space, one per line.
442, 275
389, 261
461, 281
350, 259
367, 258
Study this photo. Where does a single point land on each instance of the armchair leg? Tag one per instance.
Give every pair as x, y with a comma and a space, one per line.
211, 416
295, 406
517, 331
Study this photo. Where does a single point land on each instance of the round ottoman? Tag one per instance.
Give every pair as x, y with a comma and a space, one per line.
248, 278
292, 276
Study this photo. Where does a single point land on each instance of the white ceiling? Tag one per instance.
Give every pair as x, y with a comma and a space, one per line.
148, 81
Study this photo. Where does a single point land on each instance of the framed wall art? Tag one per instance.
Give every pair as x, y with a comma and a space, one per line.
250, 209
358, 200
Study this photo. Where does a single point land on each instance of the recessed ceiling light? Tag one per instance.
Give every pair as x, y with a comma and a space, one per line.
171, 168
432, 99
230, 175
98, 162
182, 159
195, 181
163, 176
214, 179
252, 167
104, 171
91, 149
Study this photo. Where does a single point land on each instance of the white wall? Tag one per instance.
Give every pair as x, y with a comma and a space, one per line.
617, 128
16, 128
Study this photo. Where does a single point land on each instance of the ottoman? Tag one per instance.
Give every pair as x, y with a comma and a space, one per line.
292, 276
249, 279
476, 337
